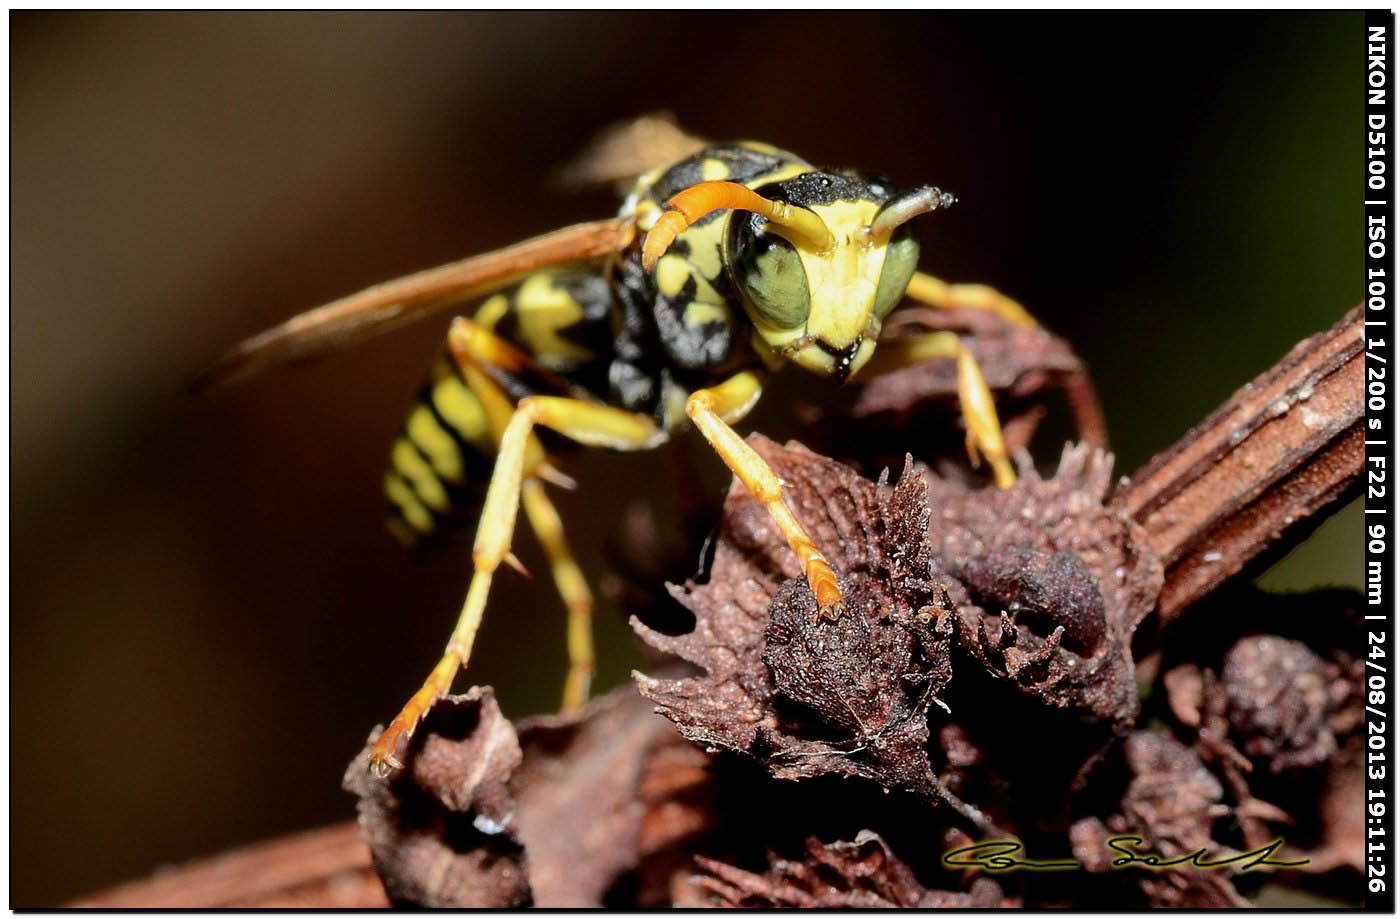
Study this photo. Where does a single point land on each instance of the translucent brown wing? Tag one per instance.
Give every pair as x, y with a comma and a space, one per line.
620, 152
392, 304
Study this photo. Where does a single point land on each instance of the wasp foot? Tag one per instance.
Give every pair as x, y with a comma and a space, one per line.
822, 579
1002, 471
383, 760
383, 756
384, 769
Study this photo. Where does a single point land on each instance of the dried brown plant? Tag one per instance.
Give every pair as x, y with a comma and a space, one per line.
986, 680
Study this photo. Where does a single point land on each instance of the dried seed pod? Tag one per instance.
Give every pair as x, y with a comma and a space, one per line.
1047, 591
1055, 582
1280, 700
1172, 798
810, 696
1279, 726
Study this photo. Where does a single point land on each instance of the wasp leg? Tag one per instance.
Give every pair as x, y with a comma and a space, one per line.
572, 586
979, 411
711, 410
473, 346
932, 291
586, 422
478, 352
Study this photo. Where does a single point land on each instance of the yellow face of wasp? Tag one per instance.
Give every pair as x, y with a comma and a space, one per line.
822, 310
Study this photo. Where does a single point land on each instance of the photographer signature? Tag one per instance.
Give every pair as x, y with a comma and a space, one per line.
999, 855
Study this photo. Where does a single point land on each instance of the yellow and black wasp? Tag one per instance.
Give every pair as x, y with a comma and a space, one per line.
721, 268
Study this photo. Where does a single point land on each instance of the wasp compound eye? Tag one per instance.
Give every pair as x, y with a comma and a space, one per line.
771, 276
901, 261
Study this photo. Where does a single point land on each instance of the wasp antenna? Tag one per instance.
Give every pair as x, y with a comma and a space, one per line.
698, 201
909, 205
664, 232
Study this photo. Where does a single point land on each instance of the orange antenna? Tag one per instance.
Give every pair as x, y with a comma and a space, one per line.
906, 207
685, 208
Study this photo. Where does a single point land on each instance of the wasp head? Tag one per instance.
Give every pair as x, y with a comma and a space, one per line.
817, 299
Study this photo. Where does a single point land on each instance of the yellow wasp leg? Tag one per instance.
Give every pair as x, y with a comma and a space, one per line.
979, 411
586, 422
710, 410
473, 344
572, 586
476, 348
931, 291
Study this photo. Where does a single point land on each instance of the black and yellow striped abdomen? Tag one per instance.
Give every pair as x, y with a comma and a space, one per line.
441, 461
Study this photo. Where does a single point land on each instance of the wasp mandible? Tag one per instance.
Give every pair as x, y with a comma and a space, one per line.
721, 268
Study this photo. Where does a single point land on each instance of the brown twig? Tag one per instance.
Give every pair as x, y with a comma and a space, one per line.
1254, 476
328, 867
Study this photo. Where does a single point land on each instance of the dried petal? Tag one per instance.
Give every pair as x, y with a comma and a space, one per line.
581, 810
443, 832
484, 816
1016, 362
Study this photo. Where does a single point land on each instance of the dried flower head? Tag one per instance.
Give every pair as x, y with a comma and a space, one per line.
1054, 582
805, 695
1281, 702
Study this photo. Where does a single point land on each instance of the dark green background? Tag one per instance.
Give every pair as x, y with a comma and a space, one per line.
207, 617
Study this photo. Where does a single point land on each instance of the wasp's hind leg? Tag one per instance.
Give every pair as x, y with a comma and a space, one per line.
573, 589
586, 422
979, 411
931, 291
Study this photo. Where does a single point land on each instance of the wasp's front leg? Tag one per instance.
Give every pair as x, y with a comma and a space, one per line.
711, 410
979, 411
931, 291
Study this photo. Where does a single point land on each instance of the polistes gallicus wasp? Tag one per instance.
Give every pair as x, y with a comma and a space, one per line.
722, 267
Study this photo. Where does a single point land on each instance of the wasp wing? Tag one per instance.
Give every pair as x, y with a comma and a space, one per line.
620, 152
392, 304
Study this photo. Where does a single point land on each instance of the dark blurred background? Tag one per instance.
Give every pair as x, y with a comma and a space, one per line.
207, 617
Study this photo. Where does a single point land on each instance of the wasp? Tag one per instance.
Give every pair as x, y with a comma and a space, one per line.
721, 268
